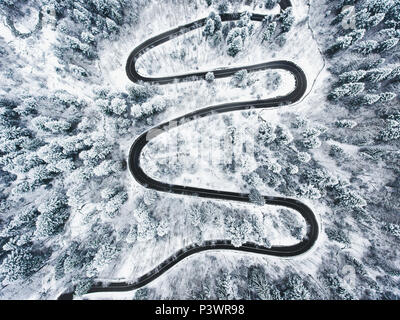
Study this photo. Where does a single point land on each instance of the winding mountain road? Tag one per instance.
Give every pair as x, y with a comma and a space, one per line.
135, 151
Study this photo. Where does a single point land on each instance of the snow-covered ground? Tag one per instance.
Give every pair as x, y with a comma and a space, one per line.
210, 130
115, 229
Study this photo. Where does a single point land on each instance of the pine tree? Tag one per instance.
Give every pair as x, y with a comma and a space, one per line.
109, 192
118, 106
283, 136
73, 144
58, 126
295, 288
106, 253
348, 89
378, 6
147, 229
22, 222
83, 16
369, 99
107, 167
113, 203
40, 123
341, 43
244, 21
237, 230
46, 124
387, 45
387, 96
287, 19
20, 264
233, 34
28, 107
337, 235
394, 229
377, 75
356, 35
132, 235
374, 20
142, 294
88, 38
210, 77
40, 175
270, 4
392, 130
150, 108
51, 153
223, 6
345, 123
347, 198
361, 18
212, 29
196, 216
352, 76
353, 88
394, 12
53, 215
78, 71
22, 188
259, 284
83, 286
292, 169
98, 152
141, 93
388, 33
163, 228
235, 46
209, 29
395, 74
269, 32
240, 79
266, 133
345, 17
367, 47
303, 157
223, 286
310, 141
273, 80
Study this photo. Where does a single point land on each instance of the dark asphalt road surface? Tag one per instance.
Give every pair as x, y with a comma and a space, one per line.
141, 177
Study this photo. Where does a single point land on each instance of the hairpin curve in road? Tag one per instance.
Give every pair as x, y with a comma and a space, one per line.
142, 178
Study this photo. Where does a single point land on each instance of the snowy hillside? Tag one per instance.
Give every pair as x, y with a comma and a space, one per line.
71, 212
